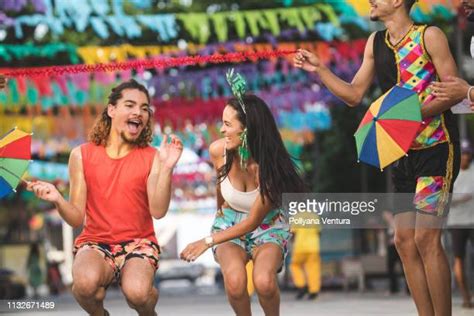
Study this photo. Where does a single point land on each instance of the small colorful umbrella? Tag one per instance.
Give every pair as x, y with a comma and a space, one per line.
388, 128
15, 155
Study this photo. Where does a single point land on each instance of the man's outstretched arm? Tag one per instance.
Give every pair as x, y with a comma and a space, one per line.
72, 211
351, 93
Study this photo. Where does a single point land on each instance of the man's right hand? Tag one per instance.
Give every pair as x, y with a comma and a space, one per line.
307, 61
44, 190
3, 81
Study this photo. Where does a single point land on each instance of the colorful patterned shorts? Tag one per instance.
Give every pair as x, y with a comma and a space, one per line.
429, 174
273, 229
117, 254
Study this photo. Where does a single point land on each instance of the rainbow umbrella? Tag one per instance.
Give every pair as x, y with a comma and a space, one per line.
388, 128
15, 155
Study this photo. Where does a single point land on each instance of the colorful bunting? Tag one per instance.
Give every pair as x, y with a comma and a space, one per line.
14, 51
83, 88
106, 18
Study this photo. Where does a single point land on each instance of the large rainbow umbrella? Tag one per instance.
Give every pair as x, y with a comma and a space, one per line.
388, 128
15, 155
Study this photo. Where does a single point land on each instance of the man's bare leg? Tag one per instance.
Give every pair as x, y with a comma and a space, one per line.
413, 267
137, 285
91, 274
438, 275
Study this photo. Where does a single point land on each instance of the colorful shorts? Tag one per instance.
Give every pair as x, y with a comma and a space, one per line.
116, 255
429, 174
273, 229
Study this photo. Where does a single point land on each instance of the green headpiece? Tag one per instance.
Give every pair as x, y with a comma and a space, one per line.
239, 86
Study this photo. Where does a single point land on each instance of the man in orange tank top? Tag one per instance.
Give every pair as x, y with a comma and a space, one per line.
118, 183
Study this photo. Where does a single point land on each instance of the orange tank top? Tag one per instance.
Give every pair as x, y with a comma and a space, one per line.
117, 201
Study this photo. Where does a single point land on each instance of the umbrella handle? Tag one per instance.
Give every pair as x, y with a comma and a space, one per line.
22, 180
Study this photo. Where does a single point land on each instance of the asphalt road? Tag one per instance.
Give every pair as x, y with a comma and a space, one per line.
210, 301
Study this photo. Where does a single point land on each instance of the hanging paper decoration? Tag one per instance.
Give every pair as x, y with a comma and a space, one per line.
97, 14
18, 5
105, 17
206, 83
59, 15
160, 63
13, 51
199, 25
362, 8
106, 54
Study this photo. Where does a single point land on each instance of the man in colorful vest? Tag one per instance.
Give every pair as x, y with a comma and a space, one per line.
411, 56
118, 183
455, 88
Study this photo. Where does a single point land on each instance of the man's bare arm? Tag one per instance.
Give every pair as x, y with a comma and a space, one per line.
159, 188
351, 93
72, 211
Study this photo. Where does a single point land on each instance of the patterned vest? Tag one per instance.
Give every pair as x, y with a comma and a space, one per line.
415, 71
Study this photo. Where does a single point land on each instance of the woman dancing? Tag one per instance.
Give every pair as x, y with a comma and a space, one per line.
254, 170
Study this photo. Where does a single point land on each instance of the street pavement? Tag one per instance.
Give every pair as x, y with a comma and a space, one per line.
211, 301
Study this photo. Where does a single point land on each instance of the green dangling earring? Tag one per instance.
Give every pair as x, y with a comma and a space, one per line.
244, 152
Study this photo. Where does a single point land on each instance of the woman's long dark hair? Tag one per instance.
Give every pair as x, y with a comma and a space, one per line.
277, 172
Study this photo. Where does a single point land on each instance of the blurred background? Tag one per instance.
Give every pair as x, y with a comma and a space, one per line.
316, 127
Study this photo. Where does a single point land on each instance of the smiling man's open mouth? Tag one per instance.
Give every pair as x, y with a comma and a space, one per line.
134, 125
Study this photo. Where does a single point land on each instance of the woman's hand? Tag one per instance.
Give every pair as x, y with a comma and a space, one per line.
194, 250
453, 88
